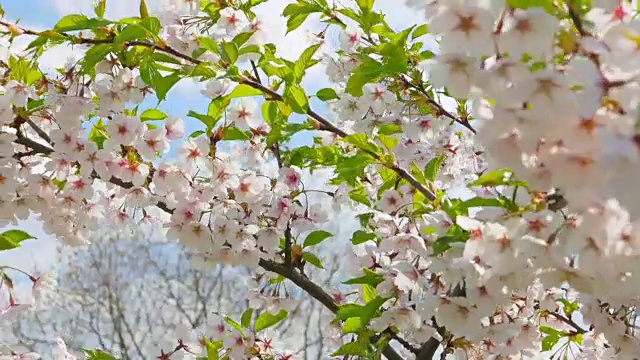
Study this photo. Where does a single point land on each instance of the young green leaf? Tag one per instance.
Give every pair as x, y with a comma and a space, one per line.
245, 320
316, 238
267, 320
152, 114
11, 239
244, 90
312, 259
295, 98
327, 94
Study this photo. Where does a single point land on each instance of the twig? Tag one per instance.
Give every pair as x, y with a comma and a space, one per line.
567, 321
39, 131
577, 21
328, 126
287, 246
440, 109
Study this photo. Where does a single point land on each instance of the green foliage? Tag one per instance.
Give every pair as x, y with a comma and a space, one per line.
23, 70
98, 134
267, 320
552, 338
295, 97
152, 114
433, 167
498, 177
245, 320
11, 239
316, 237
298, 12
243, 90
98, 355
76, 22
312, 259
364, 312
327, 94
360, 237
100, 8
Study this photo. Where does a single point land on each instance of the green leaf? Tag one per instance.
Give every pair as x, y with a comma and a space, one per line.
144, 9
245, 320
93, 56
370, 277
267, 320
316, 238
152, 24
196, 133
295, 21
11, 239
549, 342
100, 8
360, 237
295, 98
234, 324
130, 32
213, 348
369, 71
98, 355
229, 52
312, 259
493, 178
304, 62
482, 202
442, 244
244, 90
207, 120
365, 5
75, 22
242, 38
420, 31
233, 133
164, 84
569, 307
525, 4
99, 134
270, 112
352, 326
352, 348
203, 70
362, 141
388, 141
364, 312
152, 114
327, 94
433, 167
217, 107
368, 292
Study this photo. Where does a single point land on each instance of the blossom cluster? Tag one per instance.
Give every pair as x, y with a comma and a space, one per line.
544, 134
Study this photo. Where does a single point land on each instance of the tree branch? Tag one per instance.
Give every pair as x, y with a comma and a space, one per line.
326, 124
440, 109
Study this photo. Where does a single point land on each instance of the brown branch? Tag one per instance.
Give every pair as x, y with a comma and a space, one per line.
287, 271
439, 108
84, 41
567, 321
328, 126
39, 131
575, 18
315, 291
287, 246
